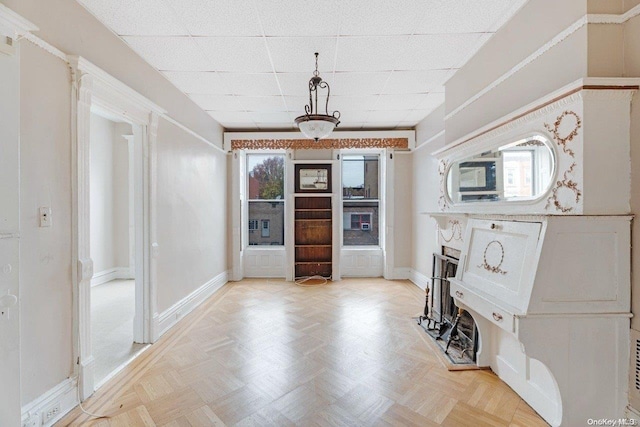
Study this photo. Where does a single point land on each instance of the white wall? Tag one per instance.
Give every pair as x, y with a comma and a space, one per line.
45, 253
425, 199
404, 198
192, 216
109, 196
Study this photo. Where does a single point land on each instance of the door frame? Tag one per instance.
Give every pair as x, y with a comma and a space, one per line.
93, 87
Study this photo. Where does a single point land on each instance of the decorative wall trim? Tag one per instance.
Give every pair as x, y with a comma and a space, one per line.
47, 47
11, 21
493, 268
559, 38
456, 231
111, 274
420, 280
566, 183
309, 144
177, 311
65, 394
443, 201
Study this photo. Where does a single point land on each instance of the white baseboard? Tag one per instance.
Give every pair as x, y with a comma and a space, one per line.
177, 311
111, 274
52, 405
419, 279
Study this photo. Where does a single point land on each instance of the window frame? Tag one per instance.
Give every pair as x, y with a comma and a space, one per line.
247, 201
379, 153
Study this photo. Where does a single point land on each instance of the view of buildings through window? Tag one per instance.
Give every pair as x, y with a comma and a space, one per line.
360, 200
518, 165
265, 182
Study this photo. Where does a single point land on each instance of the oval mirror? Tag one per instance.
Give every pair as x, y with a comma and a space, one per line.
521, 170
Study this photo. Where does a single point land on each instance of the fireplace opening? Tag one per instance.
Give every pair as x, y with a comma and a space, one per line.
452, 328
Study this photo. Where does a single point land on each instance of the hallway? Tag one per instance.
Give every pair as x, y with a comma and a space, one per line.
265, 352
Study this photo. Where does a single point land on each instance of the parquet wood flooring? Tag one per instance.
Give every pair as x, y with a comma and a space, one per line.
269, 353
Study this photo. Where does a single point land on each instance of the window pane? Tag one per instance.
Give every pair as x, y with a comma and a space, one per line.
265, 176
360, 223
360, 177
270, 216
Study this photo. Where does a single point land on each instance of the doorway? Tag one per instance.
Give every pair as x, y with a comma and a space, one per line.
116, 300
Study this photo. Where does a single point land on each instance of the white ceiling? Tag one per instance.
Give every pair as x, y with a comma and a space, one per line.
248, 62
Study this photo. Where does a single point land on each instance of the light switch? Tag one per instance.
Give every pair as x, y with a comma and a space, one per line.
45, 217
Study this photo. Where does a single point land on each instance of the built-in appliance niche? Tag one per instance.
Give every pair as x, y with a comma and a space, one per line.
313, 236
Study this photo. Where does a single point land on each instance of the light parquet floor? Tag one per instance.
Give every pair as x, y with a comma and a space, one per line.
269, 353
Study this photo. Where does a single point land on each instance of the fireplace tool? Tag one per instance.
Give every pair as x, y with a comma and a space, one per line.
453, 334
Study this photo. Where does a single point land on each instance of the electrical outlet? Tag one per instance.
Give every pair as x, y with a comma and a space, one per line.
51, 412
45, 217
32, 420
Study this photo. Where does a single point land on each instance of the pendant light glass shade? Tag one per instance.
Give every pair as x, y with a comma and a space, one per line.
313, 124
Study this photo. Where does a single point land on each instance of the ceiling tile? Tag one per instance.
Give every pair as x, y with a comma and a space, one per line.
169, 53
219, 18
347, 103
198, 82
417, 115
463, 16
136, 17
239, 54
389, 124
398, 102
225, 117
217, 102
359, 83
296, 54
273, 117
268, 104
350, 116
367, 54
387, 116
299, 17
438, 51
378, 17
263, 84
297, 84
417, 81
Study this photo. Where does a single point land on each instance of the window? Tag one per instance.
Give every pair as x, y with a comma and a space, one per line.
265, 190
360, 200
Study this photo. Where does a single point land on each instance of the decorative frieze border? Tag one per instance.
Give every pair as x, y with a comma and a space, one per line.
309, 144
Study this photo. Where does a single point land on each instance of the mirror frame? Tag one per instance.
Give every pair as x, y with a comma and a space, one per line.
540, 136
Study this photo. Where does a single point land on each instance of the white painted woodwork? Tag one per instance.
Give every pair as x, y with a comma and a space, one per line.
598, 110
96, 89
548, 281
264, 262
362, 262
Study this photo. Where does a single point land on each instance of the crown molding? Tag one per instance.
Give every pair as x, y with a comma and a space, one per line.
14, 25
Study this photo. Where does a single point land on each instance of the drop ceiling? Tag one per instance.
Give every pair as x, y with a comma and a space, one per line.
248, 62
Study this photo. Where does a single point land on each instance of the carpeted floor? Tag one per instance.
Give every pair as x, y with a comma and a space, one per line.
112, 311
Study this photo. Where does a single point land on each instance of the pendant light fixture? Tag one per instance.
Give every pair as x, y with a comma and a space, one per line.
313, 124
